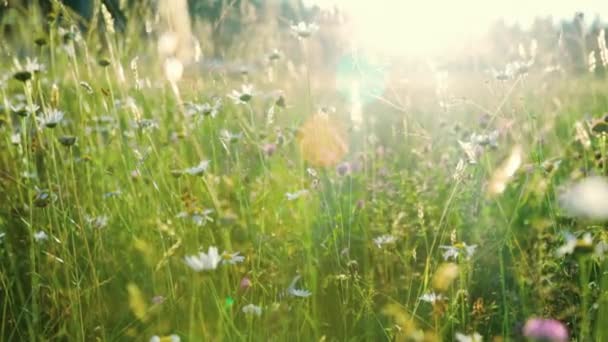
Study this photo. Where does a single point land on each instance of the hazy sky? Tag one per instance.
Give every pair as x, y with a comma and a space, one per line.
512, 10
427, 25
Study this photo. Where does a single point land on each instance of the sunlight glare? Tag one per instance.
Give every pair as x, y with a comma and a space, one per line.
420, 28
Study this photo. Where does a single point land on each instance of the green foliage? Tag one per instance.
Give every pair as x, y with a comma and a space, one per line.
100, 207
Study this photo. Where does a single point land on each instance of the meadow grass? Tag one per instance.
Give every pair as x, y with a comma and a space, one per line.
338, 245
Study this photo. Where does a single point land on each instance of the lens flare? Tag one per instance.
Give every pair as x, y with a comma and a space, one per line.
322, 141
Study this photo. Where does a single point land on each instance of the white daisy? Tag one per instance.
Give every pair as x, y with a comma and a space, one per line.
228, 137
304, 30
452, 252
51, 118
97, 222
471, 150
572, 242
204, 261
201, 218
385, 239
205, 109
171, 338
600, 249
252, 309
40, 236
198, 169
431, 297
474, 337
33, 66
232, 258
16, 138
242, 96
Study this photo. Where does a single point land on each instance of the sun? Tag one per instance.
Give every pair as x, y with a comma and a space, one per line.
430, 27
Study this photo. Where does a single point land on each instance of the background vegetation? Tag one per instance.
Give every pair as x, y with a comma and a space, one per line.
343, 202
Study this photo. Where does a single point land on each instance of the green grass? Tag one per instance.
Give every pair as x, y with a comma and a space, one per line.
91, 280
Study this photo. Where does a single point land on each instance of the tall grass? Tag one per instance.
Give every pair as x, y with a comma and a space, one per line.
94, 234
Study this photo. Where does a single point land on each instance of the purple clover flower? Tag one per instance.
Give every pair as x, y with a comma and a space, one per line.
540, 329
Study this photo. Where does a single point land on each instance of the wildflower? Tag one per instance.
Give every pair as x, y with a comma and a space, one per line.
551, 165
291, 196
490, 139
97, 222
40, 236
40, 41
70, 34
135, 174
229, 137
212, 110
198, 169
512, 70
170, 338
204, 261
104, 62
269, 149
232, 258
471, 150
452, 252
42, 198
67, 140
274, 55
245, 283
304, 30
587, 198
145, 124
51, 118
293, 291
431, 297
205, 109
16, 138
545, 330
251, 309
343, 168
385, 239
158, 300
201, 218
600, 249
26, 71
21, 109
243, 96
574, 244
280, 101
111, 194
501, 75
474, 337
312, 172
